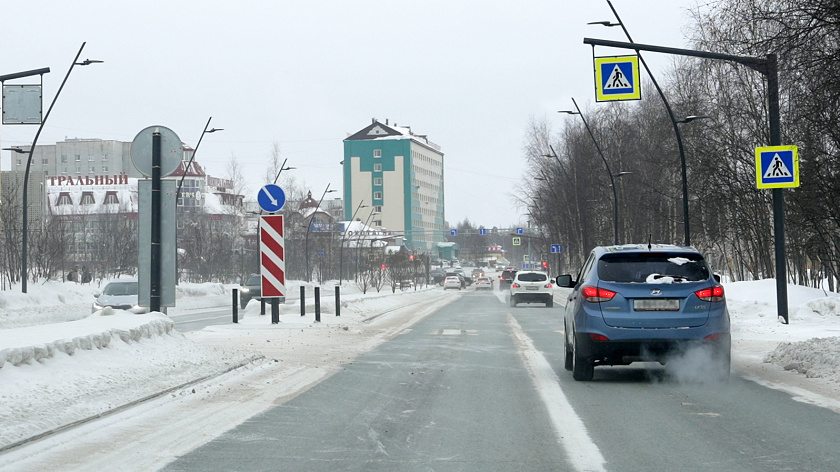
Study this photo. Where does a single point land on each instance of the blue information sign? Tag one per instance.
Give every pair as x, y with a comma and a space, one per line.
556, 248
453, 232
520, 231
482, 231
271, 198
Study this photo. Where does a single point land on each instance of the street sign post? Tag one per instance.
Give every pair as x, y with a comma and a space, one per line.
272, 262
556, 248
517, 241
617, 78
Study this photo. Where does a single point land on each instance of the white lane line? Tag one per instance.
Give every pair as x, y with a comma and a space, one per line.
582, 453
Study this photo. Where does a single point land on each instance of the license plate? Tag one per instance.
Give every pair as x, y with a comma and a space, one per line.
532, 288
656, 304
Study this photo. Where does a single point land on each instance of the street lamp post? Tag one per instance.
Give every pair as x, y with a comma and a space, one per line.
23, 252
186, 170
309, 227
189, 163
282, 168
677, 133
361, 233
344, 235
606, 164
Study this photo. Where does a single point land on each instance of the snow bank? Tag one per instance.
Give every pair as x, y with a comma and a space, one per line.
86, 334
814, 358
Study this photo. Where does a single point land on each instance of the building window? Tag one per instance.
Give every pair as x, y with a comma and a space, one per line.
377, 222
378, 208
377, 153
105, 158
19, 161
78, 169
78, 157
377, 167
87, 198
377, 195
90, 157
111, 198
64, 170
64, 158
45, 161
104, 168
92, 170
377, 181
64, 199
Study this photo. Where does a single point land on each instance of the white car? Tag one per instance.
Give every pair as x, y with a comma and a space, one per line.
483, 283
119, 294
452, 282
531, 286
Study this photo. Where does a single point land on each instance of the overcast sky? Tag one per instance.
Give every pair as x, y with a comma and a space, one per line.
305, 74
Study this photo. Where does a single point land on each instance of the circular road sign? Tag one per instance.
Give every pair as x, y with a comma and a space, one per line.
170, 151
271, 198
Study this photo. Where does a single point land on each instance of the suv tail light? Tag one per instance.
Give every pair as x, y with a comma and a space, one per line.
711, 294
597, 295
515, 285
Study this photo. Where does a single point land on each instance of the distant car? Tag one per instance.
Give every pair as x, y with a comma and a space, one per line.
437, 275
452, 281
250, 290
506, 278
121, 294
464, 281
476, 273
484, 283
531, 286
643, 303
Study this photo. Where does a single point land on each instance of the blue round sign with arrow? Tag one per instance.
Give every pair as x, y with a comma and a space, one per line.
271, 198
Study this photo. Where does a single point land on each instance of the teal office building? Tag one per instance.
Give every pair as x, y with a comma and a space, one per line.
397, 175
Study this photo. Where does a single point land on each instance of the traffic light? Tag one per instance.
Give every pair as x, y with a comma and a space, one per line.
411, 257
383, 266
545, 264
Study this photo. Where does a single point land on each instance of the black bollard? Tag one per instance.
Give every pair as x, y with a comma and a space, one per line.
302, 300
262, 306
235, 306
337, 301
317, 304
275, 310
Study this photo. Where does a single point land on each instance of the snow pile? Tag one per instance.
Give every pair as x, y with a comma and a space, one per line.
86, 334
814, 358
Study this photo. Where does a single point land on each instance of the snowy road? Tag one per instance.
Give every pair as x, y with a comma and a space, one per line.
481, 386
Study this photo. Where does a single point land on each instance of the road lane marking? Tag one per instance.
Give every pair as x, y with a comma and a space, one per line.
582, 453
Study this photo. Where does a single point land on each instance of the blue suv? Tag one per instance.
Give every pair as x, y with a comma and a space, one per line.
643, 303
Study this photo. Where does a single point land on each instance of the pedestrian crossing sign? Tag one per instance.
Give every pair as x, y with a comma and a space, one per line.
617, 78
777, 167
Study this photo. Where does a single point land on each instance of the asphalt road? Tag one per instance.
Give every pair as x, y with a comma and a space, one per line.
481, 386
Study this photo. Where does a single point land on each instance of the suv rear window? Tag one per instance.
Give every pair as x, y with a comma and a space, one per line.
652, 266
508, 274
532, 277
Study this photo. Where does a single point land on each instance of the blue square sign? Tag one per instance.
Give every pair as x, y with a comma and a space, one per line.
777, 167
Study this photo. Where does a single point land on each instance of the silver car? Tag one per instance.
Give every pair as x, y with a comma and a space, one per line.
119, 294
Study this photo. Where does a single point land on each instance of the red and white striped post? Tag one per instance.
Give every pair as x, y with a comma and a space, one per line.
272, 262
